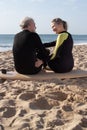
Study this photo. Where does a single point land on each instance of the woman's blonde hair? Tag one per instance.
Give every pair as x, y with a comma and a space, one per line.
59, 21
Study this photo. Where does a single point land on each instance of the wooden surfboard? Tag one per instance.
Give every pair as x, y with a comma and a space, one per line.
48, 75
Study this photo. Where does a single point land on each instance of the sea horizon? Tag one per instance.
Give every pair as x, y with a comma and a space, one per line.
6, 40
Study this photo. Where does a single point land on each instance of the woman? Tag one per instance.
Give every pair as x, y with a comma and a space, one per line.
61, 60
28, 50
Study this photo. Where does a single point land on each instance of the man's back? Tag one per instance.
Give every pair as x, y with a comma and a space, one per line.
25, 49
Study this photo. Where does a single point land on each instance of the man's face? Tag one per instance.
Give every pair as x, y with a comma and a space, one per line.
32, 26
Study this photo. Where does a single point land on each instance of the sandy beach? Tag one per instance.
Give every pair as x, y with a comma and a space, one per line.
44, 105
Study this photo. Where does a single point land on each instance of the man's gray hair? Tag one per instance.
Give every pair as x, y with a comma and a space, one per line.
25, 22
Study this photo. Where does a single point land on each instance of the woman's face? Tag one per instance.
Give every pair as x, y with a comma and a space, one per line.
56, 27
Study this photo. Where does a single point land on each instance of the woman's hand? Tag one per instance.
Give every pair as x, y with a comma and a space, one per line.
38, 63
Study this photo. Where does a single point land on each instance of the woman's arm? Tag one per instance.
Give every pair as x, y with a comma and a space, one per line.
50, 44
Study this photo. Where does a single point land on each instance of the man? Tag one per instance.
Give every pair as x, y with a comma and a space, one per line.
28, 50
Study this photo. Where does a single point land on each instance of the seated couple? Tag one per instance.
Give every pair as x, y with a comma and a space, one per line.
31, 55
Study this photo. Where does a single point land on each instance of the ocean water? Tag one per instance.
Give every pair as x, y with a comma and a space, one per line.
6, 40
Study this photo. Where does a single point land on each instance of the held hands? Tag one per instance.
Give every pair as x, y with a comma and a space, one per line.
38, 63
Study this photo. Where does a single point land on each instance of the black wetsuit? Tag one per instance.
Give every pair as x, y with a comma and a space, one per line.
61, 60
26, 49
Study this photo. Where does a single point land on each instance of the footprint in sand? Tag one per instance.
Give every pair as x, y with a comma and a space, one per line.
2, 94
11, 102
78, 127
84, 122
54, 123
22, 112
67, 108
26, 96
81, 112
9, 112
40, 103
18, 91
60, 96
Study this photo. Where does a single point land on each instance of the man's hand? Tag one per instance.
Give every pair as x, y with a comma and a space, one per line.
38, 63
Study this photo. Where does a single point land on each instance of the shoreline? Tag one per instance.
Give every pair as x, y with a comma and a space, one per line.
44, 105
3, 49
